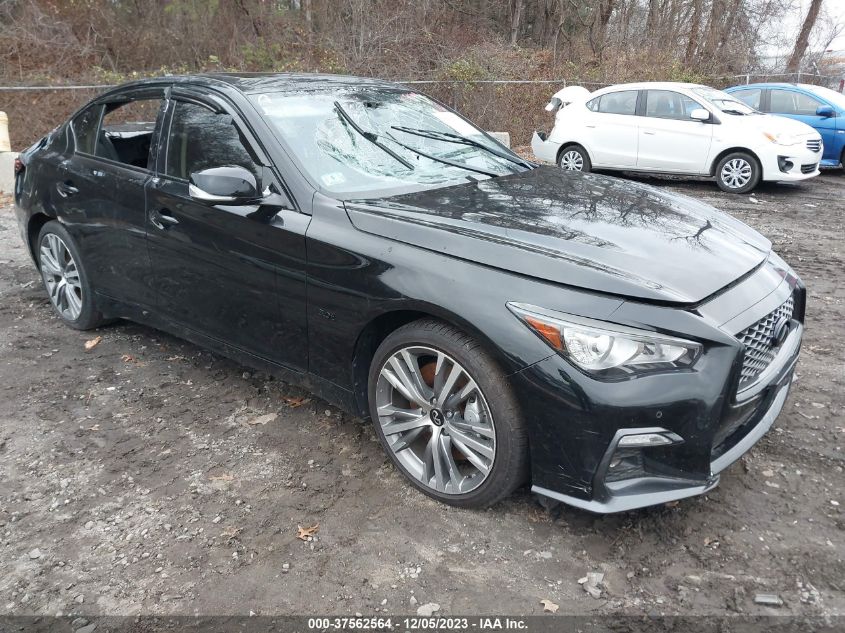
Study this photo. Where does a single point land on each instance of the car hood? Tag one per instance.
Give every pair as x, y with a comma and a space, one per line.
594, 232
774, 124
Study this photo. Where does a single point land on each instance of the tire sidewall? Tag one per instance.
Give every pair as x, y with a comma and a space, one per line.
585, 158
89, 317
507, 421
756, 173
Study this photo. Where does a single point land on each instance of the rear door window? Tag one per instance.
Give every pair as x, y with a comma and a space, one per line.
127, 132
789, 102
622, 102
85, 126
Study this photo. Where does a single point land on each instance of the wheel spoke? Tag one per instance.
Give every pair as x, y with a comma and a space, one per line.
454, 472
405, 440
400, 427
397, 412
448, 384
73, 302
472, 457
405, 381
478, 429
49, 263
472, 443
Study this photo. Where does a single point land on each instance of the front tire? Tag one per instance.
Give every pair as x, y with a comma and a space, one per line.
445, 415
574, 158
65, 279
738, 172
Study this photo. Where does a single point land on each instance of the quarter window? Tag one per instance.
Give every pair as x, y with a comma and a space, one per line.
85, 126
750, 97
667, 104
622, 102
788, 102
202, 139
127, 132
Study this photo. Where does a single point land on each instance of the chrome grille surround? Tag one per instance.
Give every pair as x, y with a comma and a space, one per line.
814, 145
757, 338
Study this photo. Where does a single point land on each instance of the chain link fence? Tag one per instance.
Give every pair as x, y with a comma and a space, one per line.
506, 105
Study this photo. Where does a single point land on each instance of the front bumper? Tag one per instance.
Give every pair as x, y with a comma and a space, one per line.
576, 422
640, 492
791, 163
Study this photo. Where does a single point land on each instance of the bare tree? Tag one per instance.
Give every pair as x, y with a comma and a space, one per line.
794, 63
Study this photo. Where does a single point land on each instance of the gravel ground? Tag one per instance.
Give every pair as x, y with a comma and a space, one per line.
147, 476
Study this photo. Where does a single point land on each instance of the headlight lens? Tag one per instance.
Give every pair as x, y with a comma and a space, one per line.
605, 348
783, 139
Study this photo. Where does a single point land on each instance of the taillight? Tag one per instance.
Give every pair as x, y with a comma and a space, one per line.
19, 166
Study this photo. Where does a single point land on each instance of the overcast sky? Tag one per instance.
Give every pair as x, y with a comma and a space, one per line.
784, 33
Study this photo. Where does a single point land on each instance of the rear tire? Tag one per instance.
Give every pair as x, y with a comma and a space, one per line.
574, 158
463, 440
738, 172
65, 279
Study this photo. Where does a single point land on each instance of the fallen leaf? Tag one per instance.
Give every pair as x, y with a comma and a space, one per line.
172, 358
294, 402
303, 534
231, 531
262, 419
127, 358
92, 343
96, 427
549, 606
223, 477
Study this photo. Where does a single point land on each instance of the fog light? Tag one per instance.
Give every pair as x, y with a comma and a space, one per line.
645, 439
784, 164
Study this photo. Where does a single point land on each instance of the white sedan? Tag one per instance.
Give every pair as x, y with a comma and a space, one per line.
677, 128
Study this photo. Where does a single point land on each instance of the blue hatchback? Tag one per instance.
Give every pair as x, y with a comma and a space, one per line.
820, 108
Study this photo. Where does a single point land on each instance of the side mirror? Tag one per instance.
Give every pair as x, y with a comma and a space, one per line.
825, 110
700, 114
225, 185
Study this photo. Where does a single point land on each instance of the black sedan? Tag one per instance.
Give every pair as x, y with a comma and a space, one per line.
499, 322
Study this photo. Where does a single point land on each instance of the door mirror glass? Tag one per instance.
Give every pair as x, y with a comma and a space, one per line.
824, 110
699, 114
225, 185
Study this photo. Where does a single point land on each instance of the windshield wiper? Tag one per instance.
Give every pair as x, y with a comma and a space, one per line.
445, 161
449, 137
370, 136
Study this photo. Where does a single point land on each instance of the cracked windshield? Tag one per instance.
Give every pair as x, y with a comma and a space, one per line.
376, 141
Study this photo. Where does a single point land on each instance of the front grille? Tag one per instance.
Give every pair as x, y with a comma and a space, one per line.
757, 339
808, 169
814, 145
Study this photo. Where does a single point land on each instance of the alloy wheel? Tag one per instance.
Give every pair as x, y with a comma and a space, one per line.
435, 420
736, 173
572, 161
61, 276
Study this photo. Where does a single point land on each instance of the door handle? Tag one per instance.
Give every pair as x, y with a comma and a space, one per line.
589, 125
66, 188
162, 219
649, 133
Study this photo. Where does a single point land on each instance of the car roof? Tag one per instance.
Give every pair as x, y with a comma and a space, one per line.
252, 83
776, 84
654, 85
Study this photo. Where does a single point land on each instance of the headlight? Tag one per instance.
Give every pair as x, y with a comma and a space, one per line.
783, 139
606, 348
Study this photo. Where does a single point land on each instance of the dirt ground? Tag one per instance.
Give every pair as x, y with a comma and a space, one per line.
147, 476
